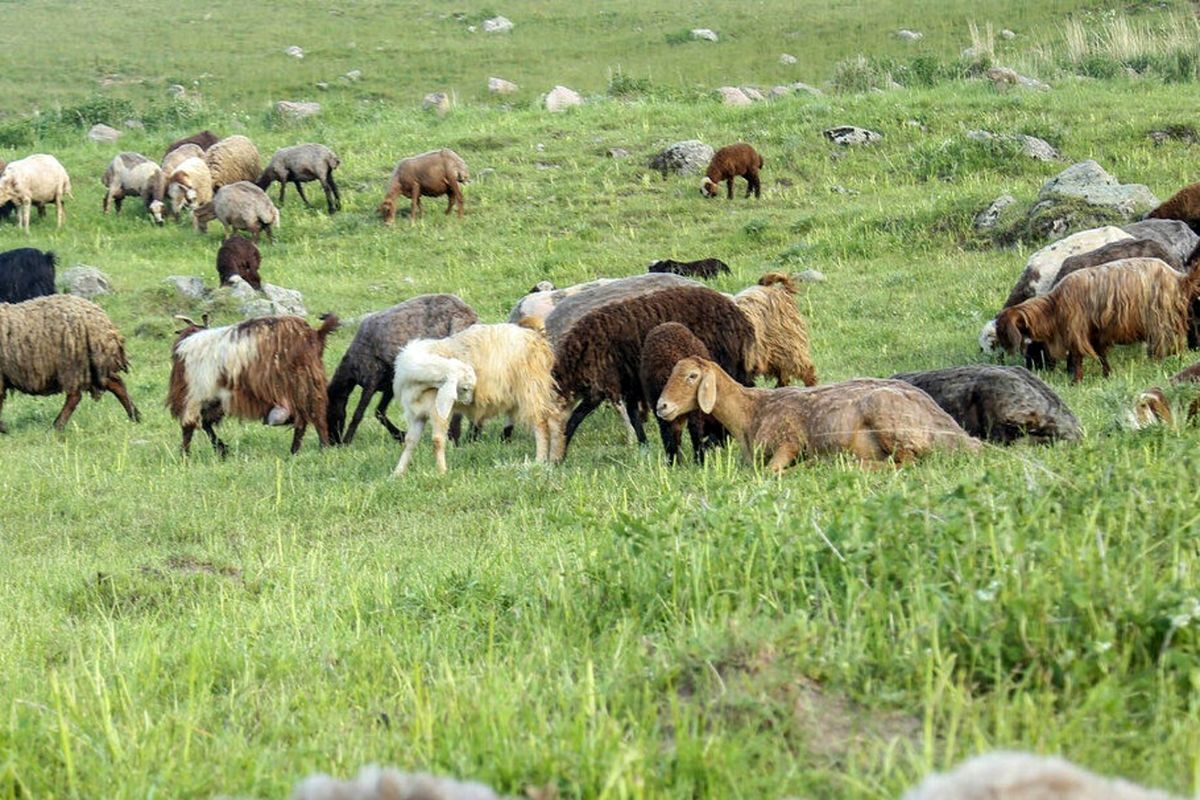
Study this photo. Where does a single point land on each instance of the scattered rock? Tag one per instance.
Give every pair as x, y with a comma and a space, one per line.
986, 220
809, 276
779, 91
1003, 77
1007, 34
1087, 181
705, 34
561, 98
272, 300
733, 96
787, 58
683, 158
241, 290
485, 173
471, 29
296, 111
322, 85
545, 165
134, 124
295, 51
847, 135
289, 300
176, 90
436, 101
754, 94
804, 87
909, 36
103, 133
1031, 146
497, 25
189, 286
1181, 133
501, 86
618, 152
84, 281
353, 75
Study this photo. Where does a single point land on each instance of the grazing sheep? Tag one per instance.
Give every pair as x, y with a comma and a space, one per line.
132, 174
202, 141
875, 420
373, 783
1175, 236
38, 178
780, 349
266, 368
664, 346
61, 344
300, 164
999, 404
1023, 776
1126, 248
370, 360
1184, 206
240, 206
190, 187
573, 302
1133, 300
704, 268
171, 161
239, 256
599, 357
432, 174
1153, 405
26, 273
233, 159
481, 372
733, 161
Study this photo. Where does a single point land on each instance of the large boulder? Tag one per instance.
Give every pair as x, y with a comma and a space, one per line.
1088, 182
733, 96
295, 111
189, 286
84, 281
501, 86
1177, 237
683, 158
436, 101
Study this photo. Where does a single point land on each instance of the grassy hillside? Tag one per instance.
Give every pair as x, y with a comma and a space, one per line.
195, 628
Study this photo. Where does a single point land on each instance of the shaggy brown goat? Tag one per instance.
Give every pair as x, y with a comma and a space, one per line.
733, 161
432, 174
266, 368
239, 256
780, 334
1184, 205
1137, 299
664, 346
204, 140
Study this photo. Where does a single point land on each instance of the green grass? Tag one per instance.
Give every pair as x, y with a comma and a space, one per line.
613, 626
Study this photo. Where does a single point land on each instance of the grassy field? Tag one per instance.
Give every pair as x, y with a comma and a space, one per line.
620, 629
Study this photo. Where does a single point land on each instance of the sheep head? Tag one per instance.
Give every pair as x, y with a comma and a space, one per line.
708, 188
458, 387
692, 385
156, 209
8, 190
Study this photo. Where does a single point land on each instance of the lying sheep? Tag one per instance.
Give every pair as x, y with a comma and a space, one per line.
481, 372
370, 360
704, 268
201, 141
780, 348
61, 344
1024, 776
190, 187
26, 273
233, 159
733, 161
239, 256
875, 420
373, 783
240, 206
132, 174
1174, 235
38, 178
999, 404
665, 346
300, 164
432, 174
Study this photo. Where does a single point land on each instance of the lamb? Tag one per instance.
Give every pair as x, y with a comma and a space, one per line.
1153, 405
61, 344
300, 164
266, 368
482, 372
872, 419
780, 348
240, 206
733, 161
190, 186
1136, 299
1172, 234
202, 141
1184, 206
704, 268
664, 346
132, 173
170, 163
432, 174
1005, 775
998, 404
373, 783
370, 360
26, 273
35, 179
233, 159
239, 256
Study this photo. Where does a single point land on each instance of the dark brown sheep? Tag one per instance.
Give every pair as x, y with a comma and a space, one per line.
204, 140
432, 174
665, 345
733, 161
704, 268
1115, 251
239, 256
1184, 205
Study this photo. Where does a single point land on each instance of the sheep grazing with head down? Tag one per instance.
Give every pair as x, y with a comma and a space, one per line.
1023, 776
201, 141
1000, 404
61, 344
158, 207
874, 420
233, 159
481, 372
132, 174
33, 180
733, 161
664, 347
240, 206
26, 273
300, 164
190, 187
434, 174
266, 368
780, 349
374, 783
239, 256
1133, 300
370, 360
704, 268
1115, 251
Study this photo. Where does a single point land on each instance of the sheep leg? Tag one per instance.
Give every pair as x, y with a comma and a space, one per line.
381, 414
107, 198
298, 435
24, 217
507, 433
541, 438
455, 432
188, 430
415, 427
337, 195
633, 416
729, 189
300, 191
328, 197
1104, 368
1075, 366
117, 201
117, 387
62, 212
367, 393
439, 442
585, 407
669, 432
3, 392
416, 205
68, 409
783, 456
282, 189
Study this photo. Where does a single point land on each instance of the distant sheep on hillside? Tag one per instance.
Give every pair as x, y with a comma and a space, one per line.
432, 174
733, 161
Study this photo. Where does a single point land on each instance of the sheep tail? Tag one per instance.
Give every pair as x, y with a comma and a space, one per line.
781, 278
1191, 281
328, 325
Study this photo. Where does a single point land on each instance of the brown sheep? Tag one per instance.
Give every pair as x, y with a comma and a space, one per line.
780, 348
875, 420
204, 140
239, 256
1115, 251
1184, 205
664, 346
432, 174
1153, 405
1133, 300
733, 161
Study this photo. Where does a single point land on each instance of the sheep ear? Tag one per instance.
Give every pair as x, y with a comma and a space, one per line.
707, 394
1010, 333
446, 396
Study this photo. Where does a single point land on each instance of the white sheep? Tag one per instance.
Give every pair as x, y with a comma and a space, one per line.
35, 179
482, 372
132, 174
170, 162
190, 186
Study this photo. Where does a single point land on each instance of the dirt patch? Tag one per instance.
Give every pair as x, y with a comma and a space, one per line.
189, 565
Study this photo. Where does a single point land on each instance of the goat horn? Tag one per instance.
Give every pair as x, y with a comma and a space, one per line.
188, 320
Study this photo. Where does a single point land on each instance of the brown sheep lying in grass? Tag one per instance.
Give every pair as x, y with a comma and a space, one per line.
733, 161
872, 419
432, 174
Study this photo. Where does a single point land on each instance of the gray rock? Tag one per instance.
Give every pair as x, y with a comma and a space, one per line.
787, 58
1087, 181
103, 133
295, 51
353, 75
1031, 146
1003, 77
683, 158
804, 87
809, 276
754, 94
847, 135
501, 86
240, 290
1176, 236
986, 220
733, 96
909, 36
289, 300
1007, 34
779, 91
176, 90
295, 111
189, 286
436, 101
561, 98
134, 124
497, 25
471, 29
323, 85
84, 281
704, 34
618, 152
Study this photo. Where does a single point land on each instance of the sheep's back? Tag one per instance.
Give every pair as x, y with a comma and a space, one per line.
59, 343
574, 305
233, 159
1042, 267
382, 334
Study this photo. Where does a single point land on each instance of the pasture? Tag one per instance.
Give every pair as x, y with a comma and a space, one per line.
185, 628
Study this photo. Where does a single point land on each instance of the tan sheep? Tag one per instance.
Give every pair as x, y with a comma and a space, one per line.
780, 348
432, 174
241, 206
132, 174
234, 158
872, 419
190, 186
733, 161
35, 180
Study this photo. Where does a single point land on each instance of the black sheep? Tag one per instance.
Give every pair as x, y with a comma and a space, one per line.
1000, 404
663, 347
704, 268
26, 273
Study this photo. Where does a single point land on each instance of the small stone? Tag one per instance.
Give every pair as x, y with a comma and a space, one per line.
103, 133
804, 87
436, 101
754, 94
909, 36
809, 276
501, 86
541, 148
497, 25
1031, 146
176, 90
1003, 77
84, 281
787, 58
190, 287
296, 111
618, 152
779, 91
134, 124
353, 75
847, 135
322, 85
986, 220
704, 34
1007, 34
471, 29
561, 98
485, 173
733, 96
295, 51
